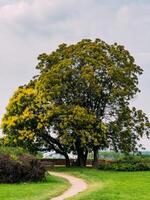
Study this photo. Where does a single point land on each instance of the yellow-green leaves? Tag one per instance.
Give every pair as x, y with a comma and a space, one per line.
21, 121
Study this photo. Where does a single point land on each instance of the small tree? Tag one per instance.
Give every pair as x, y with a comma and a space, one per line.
25, 123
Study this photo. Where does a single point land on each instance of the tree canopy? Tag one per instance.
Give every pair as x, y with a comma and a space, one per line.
79, 102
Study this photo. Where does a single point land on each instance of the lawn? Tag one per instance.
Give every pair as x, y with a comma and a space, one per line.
108, 185
103, 185
33, 191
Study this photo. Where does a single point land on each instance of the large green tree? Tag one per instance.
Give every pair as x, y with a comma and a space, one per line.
83, 93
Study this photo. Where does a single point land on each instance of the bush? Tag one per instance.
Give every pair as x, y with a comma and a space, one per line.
129, 163
32, 169
24, 169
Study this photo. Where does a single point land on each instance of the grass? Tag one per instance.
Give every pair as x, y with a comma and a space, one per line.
109, 185
34, 191
103, 185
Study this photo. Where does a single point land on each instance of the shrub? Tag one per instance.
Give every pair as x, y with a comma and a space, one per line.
32, 169
24, 169
129, 163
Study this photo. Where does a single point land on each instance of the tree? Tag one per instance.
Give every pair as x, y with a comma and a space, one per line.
90, 80
84, 91
19, 122
25, 123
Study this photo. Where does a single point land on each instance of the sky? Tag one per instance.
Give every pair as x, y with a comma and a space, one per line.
31, 27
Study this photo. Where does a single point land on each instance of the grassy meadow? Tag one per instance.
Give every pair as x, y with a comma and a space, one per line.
110, 185
33, 191
103, 185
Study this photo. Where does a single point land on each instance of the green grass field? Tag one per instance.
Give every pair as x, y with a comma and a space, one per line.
108, 185
103, 185
33, 191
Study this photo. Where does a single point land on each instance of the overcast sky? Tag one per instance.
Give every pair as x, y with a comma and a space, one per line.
31, 27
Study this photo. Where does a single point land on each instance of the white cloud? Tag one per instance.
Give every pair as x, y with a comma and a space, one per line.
29, 27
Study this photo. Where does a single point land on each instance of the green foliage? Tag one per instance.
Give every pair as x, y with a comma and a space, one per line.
79, 102
91, 83
20, 120
25, 123
125, 166
128, 163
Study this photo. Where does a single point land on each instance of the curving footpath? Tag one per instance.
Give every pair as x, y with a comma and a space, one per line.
77, 185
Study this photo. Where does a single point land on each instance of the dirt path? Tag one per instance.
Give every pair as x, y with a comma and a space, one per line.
77, 185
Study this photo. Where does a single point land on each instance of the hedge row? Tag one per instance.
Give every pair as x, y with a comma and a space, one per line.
128, 164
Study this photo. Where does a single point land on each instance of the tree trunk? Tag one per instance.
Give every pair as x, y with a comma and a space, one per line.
67, 160
82, 157
81, 153
85, 157
95, 159
80, 161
